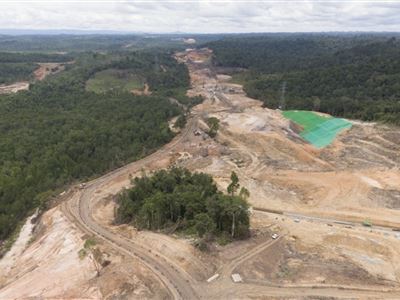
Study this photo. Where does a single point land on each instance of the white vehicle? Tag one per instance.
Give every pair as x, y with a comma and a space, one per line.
275, 236
297, 220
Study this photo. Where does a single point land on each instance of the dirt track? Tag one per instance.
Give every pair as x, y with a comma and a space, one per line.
176, 280
278, 169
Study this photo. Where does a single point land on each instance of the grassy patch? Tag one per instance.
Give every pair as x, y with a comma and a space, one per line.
113, 79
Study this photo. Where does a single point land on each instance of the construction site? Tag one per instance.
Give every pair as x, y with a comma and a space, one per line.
324, 198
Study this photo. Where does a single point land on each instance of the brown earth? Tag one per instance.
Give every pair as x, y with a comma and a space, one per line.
144, 91
40, 73
46, 69
316, 200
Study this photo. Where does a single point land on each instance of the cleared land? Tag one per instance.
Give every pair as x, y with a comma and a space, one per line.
314, 199
46, 69
43, 70
14, 87
113, 79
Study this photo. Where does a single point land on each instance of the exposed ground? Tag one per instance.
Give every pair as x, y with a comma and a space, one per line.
314, 199
40, 73
46, 69
14, 87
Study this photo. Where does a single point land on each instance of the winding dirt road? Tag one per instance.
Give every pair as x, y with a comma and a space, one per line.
179, 283
79, 210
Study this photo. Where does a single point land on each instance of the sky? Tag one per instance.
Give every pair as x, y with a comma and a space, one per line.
202, 16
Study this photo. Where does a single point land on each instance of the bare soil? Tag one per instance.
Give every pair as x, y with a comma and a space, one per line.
46, 69
14, 87
354, 179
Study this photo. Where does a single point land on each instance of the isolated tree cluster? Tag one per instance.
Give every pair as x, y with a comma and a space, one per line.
189, 202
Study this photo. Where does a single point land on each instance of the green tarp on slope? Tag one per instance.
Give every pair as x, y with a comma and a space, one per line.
318, 130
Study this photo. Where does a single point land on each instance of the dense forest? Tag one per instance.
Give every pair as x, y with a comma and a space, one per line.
20, 66
185, 201
13, 72
80, 42
57, 132
354, 76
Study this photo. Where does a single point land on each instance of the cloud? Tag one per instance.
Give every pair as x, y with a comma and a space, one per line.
202, 16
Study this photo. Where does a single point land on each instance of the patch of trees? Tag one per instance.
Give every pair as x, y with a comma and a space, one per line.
95, 42
213, 124
20, 66
13, 72
354, 76
20, 57
162, 72
57, 133
185, 201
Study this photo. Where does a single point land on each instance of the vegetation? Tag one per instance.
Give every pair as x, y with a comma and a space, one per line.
95, 42
354, 76
20, 66
13, 72
57, 132
112, 79
21, 57
180, 121
213, 124
94, 254
187, 202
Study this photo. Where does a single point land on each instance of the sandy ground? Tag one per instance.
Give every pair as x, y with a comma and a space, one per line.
50, 266
350, 180
19, 245
14, 88
354, 179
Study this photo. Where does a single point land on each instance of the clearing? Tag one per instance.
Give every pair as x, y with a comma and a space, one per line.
113, 79
314, 198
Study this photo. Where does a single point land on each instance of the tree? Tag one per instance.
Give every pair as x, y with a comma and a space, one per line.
204, 224
93, 253
244, 193
234, 185
213, 123
180, 121
188, 202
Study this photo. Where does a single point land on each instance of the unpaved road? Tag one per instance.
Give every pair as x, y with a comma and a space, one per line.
175, 280
179, 283
80, 206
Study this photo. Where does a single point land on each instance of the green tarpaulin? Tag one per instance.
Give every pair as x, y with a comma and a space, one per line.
318, 130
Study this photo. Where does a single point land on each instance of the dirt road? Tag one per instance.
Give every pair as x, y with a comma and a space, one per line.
180, 284
256, 143
176, 280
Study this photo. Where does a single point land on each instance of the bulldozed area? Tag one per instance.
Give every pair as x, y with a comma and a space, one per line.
351, 180
46, 69
314, 200
43, 70
14, 87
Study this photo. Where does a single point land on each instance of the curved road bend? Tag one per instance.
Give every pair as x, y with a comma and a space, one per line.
79, 210
177, 281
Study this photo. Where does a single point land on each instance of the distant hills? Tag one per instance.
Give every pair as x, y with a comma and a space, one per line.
62, 31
